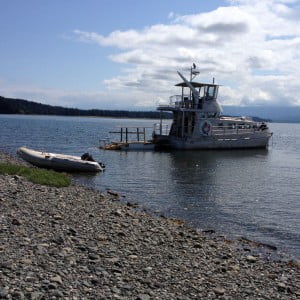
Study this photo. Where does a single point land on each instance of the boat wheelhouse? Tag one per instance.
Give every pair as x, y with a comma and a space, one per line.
198, 122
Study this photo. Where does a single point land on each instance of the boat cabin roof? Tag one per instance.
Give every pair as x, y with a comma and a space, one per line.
196, 84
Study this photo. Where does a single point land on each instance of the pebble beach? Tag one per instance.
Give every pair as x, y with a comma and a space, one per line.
78, 243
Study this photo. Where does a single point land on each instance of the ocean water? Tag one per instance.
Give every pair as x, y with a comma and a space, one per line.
250, 193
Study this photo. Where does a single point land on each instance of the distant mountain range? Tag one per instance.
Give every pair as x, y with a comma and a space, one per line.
280, 114
286, 114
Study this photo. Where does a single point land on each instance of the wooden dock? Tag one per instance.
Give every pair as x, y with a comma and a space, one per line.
130, 138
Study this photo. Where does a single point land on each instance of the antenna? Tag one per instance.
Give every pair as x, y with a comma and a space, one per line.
194, 72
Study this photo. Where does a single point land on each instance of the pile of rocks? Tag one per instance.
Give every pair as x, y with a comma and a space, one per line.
76, 243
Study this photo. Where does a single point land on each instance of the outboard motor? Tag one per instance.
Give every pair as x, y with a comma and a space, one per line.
87, 156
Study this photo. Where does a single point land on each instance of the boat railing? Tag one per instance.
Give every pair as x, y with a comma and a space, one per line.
132, 134
177, 102
161, 129
238, 129
164, 129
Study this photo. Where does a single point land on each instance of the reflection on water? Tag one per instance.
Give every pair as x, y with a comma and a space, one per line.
210, 183
254, 193
209, 176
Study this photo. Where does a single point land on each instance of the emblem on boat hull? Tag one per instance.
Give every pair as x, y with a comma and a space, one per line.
205, 127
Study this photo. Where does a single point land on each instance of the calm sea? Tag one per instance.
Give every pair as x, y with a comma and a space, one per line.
250, 193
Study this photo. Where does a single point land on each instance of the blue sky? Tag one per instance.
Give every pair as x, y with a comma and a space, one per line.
125, 53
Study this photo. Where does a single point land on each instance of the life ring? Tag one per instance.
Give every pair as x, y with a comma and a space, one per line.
205, 127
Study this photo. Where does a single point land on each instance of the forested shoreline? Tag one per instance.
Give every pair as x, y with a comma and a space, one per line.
21, 106
26, 107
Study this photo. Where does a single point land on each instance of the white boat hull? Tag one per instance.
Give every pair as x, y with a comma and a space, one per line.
214, 142
58, 161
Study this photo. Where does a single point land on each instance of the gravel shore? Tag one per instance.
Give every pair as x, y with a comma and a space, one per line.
76, 243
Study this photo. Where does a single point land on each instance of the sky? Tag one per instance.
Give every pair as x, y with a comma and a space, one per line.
124, 54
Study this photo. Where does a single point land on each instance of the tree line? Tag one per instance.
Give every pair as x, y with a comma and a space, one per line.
20, 106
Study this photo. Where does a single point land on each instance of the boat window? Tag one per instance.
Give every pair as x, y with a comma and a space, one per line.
201, 92
216, 92
210, 91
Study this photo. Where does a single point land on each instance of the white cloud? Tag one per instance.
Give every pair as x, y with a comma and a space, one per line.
251, 45
111, 99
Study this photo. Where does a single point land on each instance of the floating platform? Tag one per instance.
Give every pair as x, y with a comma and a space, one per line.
125, 143
129, 146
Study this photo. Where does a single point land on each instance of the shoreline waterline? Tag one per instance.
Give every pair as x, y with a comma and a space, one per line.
77, 242
247, 193
265, 250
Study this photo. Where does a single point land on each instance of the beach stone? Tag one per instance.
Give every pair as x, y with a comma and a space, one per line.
147, 269
73, 231
26, 261
251, 258
16, 222
132, 204
17, 295
52, 286
281, 286
30, 279
118, 213
143, 297
115, 290
95, 281
93, 256
113, 259
111, 192
3, 293
6, 264
219, 291
56, 279
36, 296
57, 293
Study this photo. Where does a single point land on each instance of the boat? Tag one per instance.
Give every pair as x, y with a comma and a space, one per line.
60, 162
198, 122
